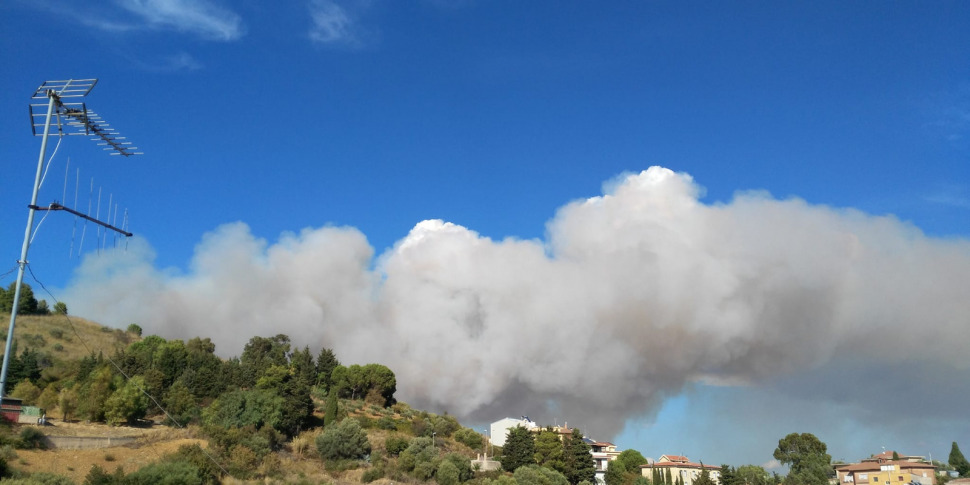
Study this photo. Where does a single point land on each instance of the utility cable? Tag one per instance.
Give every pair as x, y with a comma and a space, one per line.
123, 373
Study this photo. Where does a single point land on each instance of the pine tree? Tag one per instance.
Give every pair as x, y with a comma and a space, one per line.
579, 461
519, 449
958, 462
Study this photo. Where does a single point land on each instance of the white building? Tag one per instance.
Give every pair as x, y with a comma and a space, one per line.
500, 429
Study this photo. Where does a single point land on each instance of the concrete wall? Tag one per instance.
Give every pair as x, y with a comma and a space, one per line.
86, 442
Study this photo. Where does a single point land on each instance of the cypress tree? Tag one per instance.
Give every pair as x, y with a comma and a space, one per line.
958, 461
330, 413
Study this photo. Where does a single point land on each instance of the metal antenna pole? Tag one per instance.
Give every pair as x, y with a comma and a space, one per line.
22, 262
85, 123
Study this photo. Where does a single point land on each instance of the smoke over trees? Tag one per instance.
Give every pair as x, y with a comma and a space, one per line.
672, 290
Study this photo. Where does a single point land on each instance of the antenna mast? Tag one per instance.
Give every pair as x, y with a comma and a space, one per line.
71, 119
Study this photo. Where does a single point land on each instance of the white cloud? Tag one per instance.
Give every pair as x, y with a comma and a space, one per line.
202, 18
337, 23
199, 17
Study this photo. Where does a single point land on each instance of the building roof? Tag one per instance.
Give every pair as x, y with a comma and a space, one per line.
868, 466
676, 458
677, 461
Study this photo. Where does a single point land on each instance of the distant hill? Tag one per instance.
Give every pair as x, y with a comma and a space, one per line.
54, 336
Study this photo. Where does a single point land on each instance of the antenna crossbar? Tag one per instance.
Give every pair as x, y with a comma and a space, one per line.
54, 206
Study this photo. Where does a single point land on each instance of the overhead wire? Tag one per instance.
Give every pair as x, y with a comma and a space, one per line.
123, 373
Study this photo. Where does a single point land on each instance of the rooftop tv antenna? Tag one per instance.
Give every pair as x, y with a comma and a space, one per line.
73, 118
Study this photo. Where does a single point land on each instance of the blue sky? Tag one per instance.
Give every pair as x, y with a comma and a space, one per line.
373, 115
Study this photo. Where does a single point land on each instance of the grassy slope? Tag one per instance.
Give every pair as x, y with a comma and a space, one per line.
67, 337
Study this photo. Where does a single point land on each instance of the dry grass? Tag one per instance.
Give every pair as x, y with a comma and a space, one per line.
152, 445
54, 335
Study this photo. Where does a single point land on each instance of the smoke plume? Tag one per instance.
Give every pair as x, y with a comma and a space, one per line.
631, 296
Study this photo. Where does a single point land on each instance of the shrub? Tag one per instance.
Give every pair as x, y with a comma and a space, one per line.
395, 445
56, 333
372, 474
242, 462
469, 438
346, 440
165, 473
539, 475
387, 422
32, 439
447, 473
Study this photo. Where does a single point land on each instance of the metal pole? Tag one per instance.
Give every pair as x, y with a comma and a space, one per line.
22, 262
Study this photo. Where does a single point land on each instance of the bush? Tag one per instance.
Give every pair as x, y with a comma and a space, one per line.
345, 440
469, 438
535, 474
387, 422
242, 462
32, 439
165, 473
395, 445
56, 333
372, 474
40, 478
447, 473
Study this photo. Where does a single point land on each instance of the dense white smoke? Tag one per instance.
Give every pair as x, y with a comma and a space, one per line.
632, 296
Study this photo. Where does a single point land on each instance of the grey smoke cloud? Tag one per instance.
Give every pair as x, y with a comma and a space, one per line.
632, 296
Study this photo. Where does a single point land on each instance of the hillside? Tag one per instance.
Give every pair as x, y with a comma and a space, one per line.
254, 419
55, 336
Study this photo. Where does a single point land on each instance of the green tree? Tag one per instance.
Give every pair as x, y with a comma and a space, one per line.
447, 473
519, 449
333, 408
26, 391
536, 475
241, 408
549, 450
261, 353
579, 461
616, 473
344, 441
128, 404
48, 398
42, 308
463, 464
751, 475
180, 405
326, 362
728, 476
806, 456
135, 329
705, 477
470, 438
60, 308
95, 392
27, 305
958, 462
631, 459
204, 372
419, 458
67, 402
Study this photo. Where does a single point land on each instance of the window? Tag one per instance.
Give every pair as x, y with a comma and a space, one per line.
899, 478
863, 476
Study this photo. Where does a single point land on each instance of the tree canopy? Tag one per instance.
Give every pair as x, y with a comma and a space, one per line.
806, 456
519, 449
